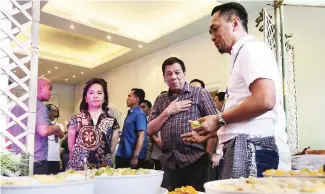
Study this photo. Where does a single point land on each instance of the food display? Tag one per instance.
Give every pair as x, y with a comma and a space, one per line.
126, 180
49, 184
304, 172
122, 180
184, 190
42, 179
266, 185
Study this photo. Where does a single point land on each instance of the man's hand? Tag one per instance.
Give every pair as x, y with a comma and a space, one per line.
134, 162
207, 129
193, 137
159, 142
215, 159
209, 124
176, 106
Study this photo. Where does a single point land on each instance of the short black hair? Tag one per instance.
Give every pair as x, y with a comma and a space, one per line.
51, 107
148, 103
163, 92
84, 105
199, 81
229, 9
139, 93
221, 96
171, 61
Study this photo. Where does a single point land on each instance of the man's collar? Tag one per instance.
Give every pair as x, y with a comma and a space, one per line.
134, 108
186, 88
240, 43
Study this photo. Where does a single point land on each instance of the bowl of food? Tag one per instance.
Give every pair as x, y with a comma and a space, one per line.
47, 184
266, 185
126, 180
302, 173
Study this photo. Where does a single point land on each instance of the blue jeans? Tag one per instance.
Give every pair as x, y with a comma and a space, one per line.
266, 159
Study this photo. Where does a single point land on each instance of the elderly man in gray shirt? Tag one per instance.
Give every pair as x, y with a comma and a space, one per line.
43, 129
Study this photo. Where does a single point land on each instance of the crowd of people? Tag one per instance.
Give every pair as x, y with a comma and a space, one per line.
241, 131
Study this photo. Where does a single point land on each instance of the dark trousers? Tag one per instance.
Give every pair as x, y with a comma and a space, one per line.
53, 167
195, 175
219, 169
157, 164
266, 159
41, 167
65, 160
148, 164
122, 162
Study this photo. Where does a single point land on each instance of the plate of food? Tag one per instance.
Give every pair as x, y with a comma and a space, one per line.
268, 185
302, 173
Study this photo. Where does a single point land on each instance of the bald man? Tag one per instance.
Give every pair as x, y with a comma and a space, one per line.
43, 129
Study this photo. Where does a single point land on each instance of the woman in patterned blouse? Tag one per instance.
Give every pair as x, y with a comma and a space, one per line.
92, 133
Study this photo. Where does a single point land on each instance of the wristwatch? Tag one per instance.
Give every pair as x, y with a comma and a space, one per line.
135, 155
222, 122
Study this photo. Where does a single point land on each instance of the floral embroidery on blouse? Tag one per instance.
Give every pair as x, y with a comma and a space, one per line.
92, 141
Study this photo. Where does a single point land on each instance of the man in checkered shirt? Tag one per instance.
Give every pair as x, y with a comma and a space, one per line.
183, 163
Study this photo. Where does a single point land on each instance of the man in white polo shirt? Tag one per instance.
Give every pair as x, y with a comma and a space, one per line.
252, 126
53, 156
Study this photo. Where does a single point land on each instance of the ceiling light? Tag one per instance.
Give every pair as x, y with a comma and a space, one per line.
66, 79
109, 37
73, 76
56, 67
42, 75
140, 46
48, 71
82, 72
72, 26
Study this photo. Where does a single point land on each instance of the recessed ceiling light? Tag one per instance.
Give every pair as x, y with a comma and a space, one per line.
73, 76
140, 46
48, 71
56, 67
82, 72
109, 37
66, 79
72, 26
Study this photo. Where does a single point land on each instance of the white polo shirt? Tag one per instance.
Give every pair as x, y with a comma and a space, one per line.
255, 60
53, 147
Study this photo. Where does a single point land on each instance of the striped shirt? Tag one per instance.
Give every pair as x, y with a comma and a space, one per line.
177, 153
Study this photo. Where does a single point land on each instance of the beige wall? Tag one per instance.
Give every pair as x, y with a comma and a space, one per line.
204, 62
64, 95
308, 39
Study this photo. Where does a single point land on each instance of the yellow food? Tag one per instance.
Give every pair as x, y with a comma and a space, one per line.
279, 186
48, 179
184, 190
301, 172
195, 124
107, 171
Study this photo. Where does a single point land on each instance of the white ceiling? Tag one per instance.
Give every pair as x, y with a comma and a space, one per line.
153, 24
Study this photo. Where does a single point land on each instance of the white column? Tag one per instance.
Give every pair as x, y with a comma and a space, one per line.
4, 60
